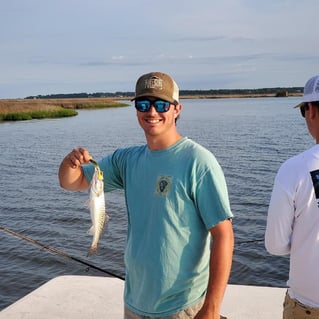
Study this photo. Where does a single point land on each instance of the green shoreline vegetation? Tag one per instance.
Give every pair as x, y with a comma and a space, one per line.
28, 109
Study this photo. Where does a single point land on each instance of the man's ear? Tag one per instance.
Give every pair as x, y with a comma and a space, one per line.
178, 109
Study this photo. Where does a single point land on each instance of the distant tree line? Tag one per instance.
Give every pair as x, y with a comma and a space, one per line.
81, 95
242, 91
289, 90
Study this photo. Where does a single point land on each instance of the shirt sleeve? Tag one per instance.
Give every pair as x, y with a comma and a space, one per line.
279, 220
112, 166
211, 197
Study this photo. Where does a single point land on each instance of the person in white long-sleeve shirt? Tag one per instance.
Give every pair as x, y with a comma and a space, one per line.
293, 216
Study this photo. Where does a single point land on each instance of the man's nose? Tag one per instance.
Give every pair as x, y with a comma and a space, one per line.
152, 109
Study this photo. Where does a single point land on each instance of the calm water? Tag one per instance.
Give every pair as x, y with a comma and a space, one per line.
249, 137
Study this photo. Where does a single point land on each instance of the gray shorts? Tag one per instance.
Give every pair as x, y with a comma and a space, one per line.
188, 313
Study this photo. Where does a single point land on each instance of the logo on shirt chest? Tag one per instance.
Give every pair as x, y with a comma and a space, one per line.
163, 185
315, 181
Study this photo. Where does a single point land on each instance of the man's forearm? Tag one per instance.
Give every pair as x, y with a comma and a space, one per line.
220, 267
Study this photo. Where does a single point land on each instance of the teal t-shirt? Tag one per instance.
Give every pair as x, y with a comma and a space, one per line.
173, 197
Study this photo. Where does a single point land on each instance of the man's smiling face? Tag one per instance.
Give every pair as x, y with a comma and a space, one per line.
156, 123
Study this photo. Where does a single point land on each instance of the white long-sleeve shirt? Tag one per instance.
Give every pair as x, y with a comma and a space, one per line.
293, 223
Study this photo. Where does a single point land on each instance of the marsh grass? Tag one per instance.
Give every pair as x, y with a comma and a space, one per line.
25, 109
22, 116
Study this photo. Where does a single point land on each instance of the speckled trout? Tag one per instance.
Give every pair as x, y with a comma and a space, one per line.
96, 203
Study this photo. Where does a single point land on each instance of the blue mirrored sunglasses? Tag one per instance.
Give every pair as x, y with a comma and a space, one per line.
159, 105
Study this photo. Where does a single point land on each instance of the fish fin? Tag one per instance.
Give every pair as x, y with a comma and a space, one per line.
91, 230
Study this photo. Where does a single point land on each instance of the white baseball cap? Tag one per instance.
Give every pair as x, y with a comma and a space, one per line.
311, 91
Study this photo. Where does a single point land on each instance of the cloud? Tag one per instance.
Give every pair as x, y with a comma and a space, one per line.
82, 45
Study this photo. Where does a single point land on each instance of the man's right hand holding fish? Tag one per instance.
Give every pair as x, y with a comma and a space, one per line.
70, 172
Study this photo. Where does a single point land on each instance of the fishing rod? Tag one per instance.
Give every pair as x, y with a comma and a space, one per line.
61, 253
56, 251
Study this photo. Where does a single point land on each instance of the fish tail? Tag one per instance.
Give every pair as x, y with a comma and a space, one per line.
92, 251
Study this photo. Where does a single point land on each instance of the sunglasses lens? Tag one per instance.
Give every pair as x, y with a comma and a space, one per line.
161, 106
143, 106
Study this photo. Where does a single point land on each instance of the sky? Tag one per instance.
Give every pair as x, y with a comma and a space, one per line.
74, 46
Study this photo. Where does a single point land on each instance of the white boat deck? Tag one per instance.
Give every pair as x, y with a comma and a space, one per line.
79, 297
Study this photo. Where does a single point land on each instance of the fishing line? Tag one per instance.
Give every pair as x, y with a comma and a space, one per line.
56, 251
253, 241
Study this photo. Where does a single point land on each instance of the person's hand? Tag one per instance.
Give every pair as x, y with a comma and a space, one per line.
205, 313
77, 157
202, 315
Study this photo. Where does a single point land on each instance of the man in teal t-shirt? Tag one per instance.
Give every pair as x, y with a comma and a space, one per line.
180, 240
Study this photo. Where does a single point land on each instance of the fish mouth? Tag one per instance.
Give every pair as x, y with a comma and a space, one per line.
92, 161
97, 167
